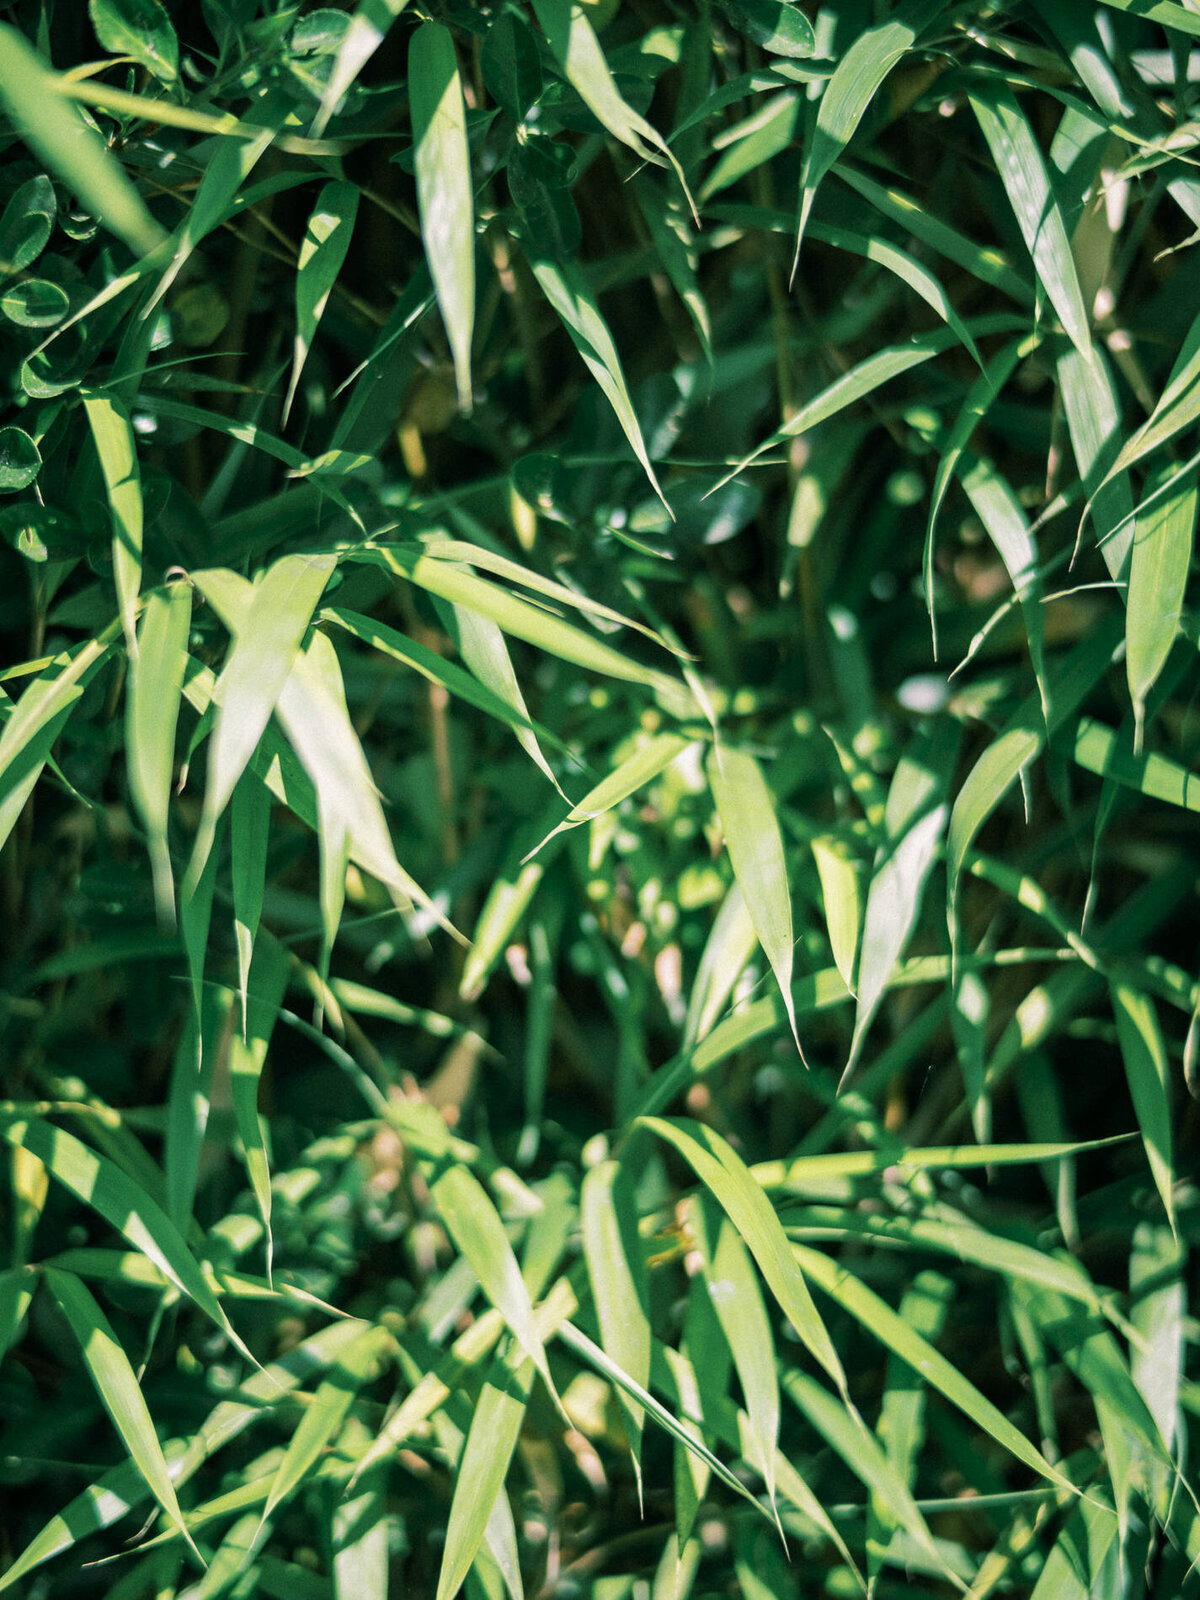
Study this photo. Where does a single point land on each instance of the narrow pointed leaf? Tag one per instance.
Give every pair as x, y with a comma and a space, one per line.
752, 837
498, 1415
322, 253
617, 1273
1027, 184
268, 975
727, 949
842, 896
113, 1377
731, 1184
366, 32
444, 192
637, 770
249, 826
117, 449
152, 714
1145, 1055
55, 130
854, 84
1158, 573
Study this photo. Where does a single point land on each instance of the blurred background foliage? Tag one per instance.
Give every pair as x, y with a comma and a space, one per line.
552, 555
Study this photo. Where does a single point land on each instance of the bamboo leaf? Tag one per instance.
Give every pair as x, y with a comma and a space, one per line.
579, 54
628, 776
617, 1274
1145, 1055
444, 189
728, 948
56, 132
268, 979
117, 449
367, 30
322, 253
565, 287
481, 644
113, 1377
730, 1182
249, 826
1158, 573
752, 837
259, 663
854, 84
495, 1424
1027, 184
151, 715
98, 1183
841, 895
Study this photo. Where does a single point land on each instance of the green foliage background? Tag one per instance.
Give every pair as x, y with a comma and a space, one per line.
553, 555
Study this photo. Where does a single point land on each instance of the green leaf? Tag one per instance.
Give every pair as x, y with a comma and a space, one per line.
259, 663
729, 946
1158, 1302
737, 1300
152, 713
322, 253
841, 895
98, 1183
512, 68
617, 1274
250, 822
35, 303
566, 288
1145, 1055
1084, 1559
778, 26
879, 1319
581, 58
481, 645
747, 815
113, 1377
20, 460
479, 1485
860, 72
626, 778
115, 445
366, 31
141, 29
730, 1182
473, 1223
268, 980
1158, 573
1027, 184
1110, 754
55, 131
27, 224
444, 192
355, 1365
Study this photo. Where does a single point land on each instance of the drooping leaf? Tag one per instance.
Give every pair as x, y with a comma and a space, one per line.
322, 254
752, 837
444, 189
616, 1271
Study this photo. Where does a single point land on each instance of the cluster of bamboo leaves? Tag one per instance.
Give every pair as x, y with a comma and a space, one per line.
596, 782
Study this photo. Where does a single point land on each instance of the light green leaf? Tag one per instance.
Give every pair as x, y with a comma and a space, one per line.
1109, 754
358, 1363
268, 980
1158, 1304
637, 770
113, 1377
450, 676
151, 716
444, 193
1084, 1560
249, 825
1145, 1055
56, 132
265, 647
841, 895
1158, 573
98, 1183
617, 1274
495, 1424
1004, 520
899, 1335
322, 253
913, 823
365, 33
736, 1298
117, 449
141, 29
747, 815
565, 287
729, 946
481, 645
728, 1179
860, 72
578, 52
1094, 421
1027, 184
472, 1222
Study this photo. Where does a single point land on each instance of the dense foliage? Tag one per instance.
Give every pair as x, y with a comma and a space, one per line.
596, 781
